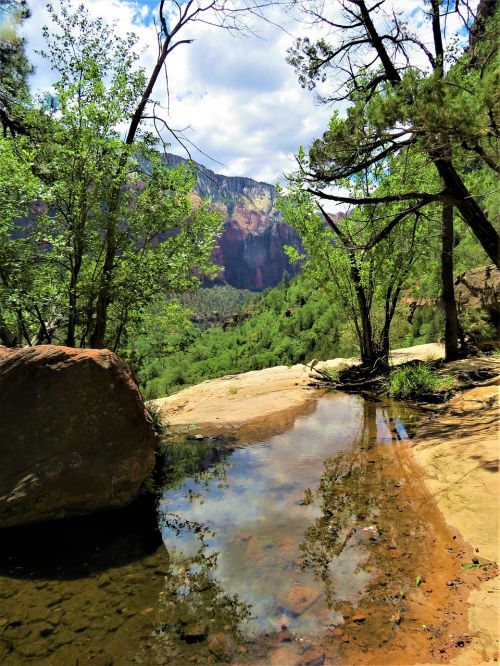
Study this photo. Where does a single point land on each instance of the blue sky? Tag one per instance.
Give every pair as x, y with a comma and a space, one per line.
239, 99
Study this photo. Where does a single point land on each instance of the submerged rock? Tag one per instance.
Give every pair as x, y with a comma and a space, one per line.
195, 633
74, 434
299, 598
222, 647
313, 657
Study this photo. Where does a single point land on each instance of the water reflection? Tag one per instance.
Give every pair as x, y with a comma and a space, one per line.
282, 540
198, 620
273, 540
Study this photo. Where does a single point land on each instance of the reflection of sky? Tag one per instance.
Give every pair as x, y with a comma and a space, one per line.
389, 429
261, 496
401, 430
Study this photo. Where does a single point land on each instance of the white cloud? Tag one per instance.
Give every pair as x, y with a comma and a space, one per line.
240, 99
237, 95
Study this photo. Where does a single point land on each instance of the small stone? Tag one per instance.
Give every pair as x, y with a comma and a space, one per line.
299, 598
80, 628
282, 656
245, 536
332, 632
194, 633
64, 637
161, 572
222, 647
37, 648
45, 629
284, 636
373, 532
359, 617
313, 657
345, 638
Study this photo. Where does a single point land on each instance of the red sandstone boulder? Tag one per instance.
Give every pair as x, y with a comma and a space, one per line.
74, 435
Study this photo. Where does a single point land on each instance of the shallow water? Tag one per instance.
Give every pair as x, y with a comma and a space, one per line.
302, 547
257, 506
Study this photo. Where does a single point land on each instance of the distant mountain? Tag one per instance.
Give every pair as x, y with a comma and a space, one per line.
250, 248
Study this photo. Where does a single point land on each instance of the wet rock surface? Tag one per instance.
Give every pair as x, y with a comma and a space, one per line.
74, 434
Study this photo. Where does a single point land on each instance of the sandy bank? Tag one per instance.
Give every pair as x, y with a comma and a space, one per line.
458, 452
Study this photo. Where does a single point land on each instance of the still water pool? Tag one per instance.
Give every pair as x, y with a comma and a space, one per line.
303, 549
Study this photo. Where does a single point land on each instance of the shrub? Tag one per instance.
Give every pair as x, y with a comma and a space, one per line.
159, 424
415, 380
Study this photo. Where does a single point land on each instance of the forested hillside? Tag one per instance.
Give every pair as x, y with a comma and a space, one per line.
292, 323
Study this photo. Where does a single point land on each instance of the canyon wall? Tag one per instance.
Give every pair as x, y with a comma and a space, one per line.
250, 249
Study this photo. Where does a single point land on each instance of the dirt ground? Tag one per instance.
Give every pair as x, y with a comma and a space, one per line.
456, 448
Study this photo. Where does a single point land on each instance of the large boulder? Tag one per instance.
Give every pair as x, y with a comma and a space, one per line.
74, 435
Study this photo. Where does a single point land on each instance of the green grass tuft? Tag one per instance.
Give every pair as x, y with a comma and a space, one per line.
159, 424
414, 380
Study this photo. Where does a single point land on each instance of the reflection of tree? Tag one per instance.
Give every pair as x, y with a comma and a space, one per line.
342, 499
194, 608
197, 460
196, 617
347, 492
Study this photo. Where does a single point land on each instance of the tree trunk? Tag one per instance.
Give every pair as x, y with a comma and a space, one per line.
97, 338
391, 302
72, 303
104, 294
366, 341
449, 303
472, 214
7, 338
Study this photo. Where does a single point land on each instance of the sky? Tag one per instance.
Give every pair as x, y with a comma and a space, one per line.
241, 102
238, 96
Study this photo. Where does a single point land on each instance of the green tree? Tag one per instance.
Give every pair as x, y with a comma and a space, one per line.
14, 66
446, 112
23, 288
116, 218
368, 282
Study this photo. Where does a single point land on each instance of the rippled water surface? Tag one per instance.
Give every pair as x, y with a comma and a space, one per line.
300, 549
